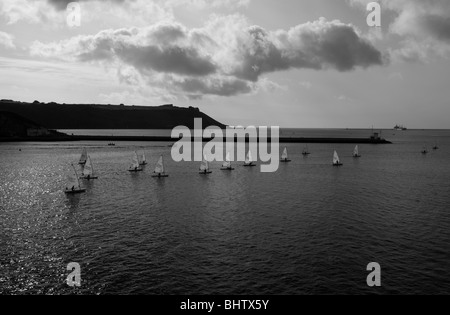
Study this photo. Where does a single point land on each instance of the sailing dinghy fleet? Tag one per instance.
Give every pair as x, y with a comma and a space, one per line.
87, 168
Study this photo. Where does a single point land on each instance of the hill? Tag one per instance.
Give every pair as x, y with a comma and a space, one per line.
77, 116
13, 126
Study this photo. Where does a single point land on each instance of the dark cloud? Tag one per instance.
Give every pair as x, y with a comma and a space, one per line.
221, 87
172, 59
438, 26
158, 51
222, 61
317, 46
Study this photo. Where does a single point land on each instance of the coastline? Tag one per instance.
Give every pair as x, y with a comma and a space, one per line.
169, 139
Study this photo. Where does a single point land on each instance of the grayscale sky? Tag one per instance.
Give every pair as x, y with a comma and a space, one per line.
290, 63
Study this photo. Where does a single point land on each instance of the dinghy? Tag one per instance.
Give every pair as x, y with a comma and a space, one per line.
204, 167
336, 161
88, 170
74, 186
144, 161
135, 167
424, 150
356, 152
435, 147
284, 156
249, 160
306, 151
226, 166
160, 170
83, 157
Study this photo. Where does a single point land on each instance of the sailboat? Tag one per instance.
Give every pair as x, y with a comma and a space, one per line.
226, 166
88, 170
135, 167
83, 157
204, 167
249, 160
336, 160
306, 151
435, 147
356, 152
424, 150
160, 170
144, 161
74, 186
284, 156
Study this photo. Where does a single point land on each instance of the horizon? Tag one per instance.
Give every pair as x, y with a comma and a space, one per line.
305, 64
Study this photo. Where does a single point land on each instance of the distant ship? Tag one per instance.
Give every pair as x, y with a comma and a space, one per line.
400, 127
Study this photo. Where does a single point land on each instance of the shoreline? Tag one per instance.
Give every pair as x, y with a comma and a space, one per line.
169, 139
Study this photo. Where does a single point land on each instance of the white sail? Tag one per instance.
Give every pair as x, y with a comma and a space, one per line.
73, 180
159, 169
356, 151
143, 158
249, 158
284, 156
83, 157
336, 158
88, 169
204, 166
135, 161
227, 162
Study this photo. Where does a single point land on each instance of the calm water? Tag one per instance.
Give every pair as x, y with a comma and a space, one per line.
307, 229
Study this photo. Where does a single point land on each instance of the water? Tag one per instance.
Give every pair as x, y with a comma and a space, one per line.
307, 229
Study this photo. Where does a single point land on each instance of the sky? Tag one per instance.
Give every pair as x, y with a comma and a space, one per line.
290, 63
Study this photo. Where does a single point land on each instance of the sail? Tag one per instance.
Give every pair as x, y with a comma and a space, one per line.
204, 166
73, 179
135, 161
356, 151
227, 162
159, 169
88, 169
284, 156
305, 150
143, 158
249, 158
83, 157
336, 158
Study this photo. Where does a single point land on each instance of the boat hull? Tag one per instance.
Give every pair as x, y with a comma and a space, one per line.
338, 164
90, 178
75, 191
160, 176
285, 161
227, 169
135, 171
205, 173
249, 165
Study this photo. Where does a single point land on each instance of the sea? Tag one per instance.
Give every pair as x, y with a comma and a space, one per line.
309, 228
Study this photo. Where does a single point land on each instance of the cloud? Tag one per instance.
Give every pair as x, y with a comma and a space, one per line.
227, 56
7, 40
424, 26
